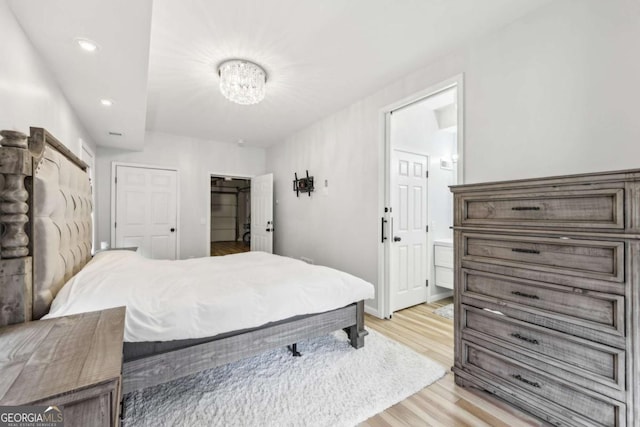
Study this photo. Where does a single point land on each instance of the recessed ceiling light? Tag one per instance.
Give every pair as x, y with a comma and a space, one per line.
106, 102
87, 45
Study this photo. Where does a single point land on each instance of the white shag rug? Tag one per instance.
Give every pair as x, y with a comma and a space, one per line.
332, 384
445, 311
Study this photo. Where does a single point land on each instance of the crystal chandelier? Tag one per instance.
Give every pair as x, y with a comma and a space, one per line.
242, 81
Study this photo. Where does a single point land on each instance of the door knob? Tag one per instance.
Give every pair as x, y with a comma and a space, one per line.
172, 230
397, 239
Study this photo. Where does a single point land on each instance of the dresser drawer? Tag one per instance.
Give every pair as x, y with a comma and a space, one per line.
602, 260
598, 311
602, 363
583, 407
602, 209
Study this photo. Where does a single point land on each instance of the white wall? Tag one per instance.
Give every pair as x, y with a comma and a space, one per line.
29, 94
195, 160
553, 93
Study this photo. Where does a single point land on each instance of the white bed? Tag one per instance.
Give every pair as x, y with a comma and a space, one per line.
204, 297
47, 247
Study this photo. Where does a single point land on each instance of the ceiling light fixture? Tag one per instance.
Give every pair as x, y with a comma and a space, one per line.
87, 45
106, 102
242, 82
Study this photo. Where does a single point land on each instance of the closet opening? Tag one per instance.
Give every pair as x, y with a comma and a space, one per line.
230, 212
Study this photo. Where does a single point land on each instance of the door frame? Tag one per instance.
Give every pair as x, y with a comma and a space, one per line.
208, 199
114, 166
383, 309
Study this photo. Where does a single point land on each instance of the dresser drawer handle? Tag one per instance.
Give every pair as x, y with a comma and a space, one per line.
526, 381
525, 208
526, 251
522, 294
529, 340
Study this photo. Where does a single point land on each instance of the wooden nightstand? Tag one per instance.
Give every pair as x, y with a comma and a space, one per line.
73, 361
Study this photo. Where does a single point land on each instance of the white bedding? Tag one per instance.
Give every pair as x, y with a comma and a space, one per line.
202, 297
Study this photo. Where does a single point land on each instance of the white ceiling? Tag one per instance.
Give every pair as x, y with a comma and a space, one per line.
117, 71
320, 56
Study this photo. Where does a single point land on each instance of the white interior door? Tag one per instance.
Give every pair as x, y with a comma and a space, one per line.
146, 210
262, 213
408, 255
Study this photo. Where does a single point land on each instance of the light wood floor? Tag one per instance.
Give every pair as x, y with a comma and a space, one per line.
442, 403
228, 248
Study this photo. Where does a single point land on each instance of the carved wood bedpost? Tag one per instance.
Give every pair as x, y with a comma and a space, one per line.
16, 171
15, 165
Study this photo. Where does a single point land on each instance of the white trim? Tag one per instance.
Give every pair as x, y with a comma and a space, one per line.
114, 165
384, 153
208, 199
84, 147
441, 295
460, 128
383, 190
372, 311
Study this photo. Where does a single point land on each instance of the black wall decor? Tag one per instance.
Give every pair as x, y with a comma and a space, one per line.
303, 185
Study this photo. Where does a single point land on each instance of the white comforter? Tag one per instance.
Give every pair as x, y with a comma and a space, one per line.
202, 297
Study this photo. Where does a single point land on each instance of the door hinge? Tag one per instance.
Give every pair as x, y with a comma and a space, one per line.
426, 174
427, 283
427, 228
115, 224
116, 180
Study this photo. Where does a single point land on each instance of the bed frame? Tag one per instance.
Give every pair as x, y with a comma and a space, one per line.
45, 216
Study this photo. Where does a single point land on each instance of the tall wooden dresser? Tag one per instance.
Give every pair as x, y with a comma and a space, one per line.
547, 295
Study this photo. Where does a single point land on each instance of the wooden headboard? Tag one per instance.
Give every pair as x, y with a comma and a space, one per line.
45, 216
